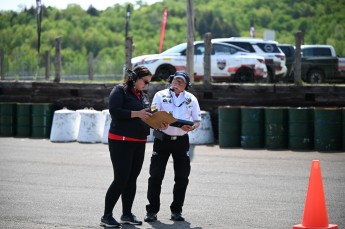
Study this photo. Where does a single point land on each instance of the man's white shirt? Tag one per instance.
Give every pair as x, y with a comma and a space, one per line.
185, 107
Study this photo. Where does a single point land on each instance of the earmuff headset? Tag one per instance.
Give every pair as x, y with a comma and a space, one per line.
184, 75
132, 74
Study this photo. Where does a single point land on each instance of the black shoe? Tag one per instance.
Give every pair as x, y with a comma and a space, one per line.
130, 219
150, 217
109, 221
177, 216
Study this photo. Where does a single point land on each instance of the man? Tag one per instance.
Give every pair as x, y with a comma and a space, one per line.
172, 141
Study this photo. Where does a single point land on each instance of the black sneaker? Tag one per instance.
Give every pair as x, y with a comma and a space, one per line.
130, 219
109, 221
177, 216
150, 217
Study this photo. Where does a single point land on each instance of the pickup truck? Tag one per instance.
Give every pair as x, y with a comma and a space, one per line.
319, 63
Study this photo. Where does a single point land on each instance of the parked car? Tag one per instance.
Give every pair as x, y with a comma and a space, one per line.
274, 57
319, 63
228, 63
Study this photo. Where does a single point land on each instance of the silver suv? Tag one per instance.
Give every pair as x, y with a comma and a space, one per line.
274, 57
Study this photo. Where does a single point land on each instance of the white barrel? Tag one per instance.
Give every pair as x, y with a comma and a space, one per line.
65, 126
91, 126
150, 137
106, 126
203, 134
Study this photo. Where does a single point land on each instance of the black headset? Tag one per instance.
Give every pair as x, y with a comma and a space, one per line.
132, 74
184, 75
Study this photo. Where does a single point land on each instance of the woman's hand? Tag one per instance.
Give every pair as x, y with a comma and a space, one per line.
142, 114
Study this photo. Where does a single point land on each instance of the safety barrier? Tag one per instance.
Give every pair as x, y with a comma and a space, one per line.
295, 128
277, 128
26, 120
65, 126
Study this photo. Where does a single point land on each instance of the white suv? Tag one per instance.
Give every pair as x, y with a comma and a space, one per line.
274, 57
228, 63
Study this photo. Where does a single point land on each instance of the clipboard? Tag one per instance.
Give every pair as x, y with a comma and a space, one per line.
179, 123
158, 117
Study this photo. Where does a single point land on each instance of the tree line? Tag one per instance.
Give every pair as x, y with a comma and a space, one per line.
102, 32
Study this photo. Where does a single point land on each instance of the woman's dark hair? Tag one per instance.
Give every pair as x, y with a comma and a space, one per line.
137, 73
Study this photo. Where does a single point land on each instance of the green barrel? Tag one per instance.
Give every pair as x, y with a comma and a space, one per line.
23, 120
41, 120
301, 128
327, 129
229, 126
252, 127
7, 119
276, 128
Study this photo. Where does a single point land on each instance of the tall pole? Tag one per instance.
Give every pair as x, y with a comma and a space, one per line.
297, 73
190, 39
90, 66
129, 50
207, 59
2, 63
57, 60
128, 42
47, 64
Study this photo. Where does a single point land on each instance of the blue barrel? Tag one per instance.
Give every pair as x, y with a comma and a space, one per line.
41, 119
23, 120
301, 129
276, 128
327, 129
229, 127
7, 119
252, 127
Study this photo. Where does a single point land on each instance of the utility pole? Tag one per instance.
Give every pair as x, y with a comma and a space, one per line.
190, 39
129, 50
2, 63
57, 61
207, 59
47, 64
298, 69
90, 66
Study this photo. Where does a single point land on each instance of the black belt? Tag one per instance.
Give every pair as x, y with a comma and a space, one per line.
162, 136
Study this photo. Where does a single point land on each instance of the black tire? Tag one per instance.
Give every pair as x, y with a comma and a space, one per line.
163, 72
244, 75
316, 76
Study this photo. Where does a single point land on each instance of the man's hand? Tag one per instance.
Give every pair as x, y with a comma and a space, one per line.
163, 126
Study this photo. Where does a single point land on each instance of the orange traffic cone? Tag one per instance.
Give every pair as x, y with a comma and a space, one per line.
315, 211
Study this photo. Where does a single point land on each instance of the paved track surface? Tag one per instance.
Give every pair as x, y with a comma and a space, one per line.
62, 185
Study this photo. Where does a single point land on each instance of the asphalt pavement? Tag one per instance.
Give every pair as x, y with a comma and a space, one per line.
63, 185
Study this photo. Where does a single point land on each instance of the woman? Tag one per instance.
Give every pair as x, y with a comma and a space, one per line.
128, 105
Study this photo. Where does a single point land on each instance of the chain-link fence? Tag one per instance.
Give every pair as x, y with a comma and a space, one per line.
25, 70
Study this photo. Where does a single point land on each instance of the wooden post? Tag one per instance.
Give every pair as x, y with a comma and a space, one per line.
57, 61
207, 59
47, 62
190, 39
90, 66
297, 73
129, 50
2, 64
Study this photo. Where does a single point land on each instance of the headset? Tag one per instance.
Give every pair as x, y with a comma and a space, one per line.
132, 74
184, 75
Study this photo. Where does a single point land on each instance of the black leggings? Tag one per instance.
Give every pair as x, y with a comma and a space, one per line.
127, 159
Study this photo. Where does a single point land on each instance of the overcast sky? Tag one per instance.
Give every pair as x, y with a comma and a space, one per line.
17, 5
